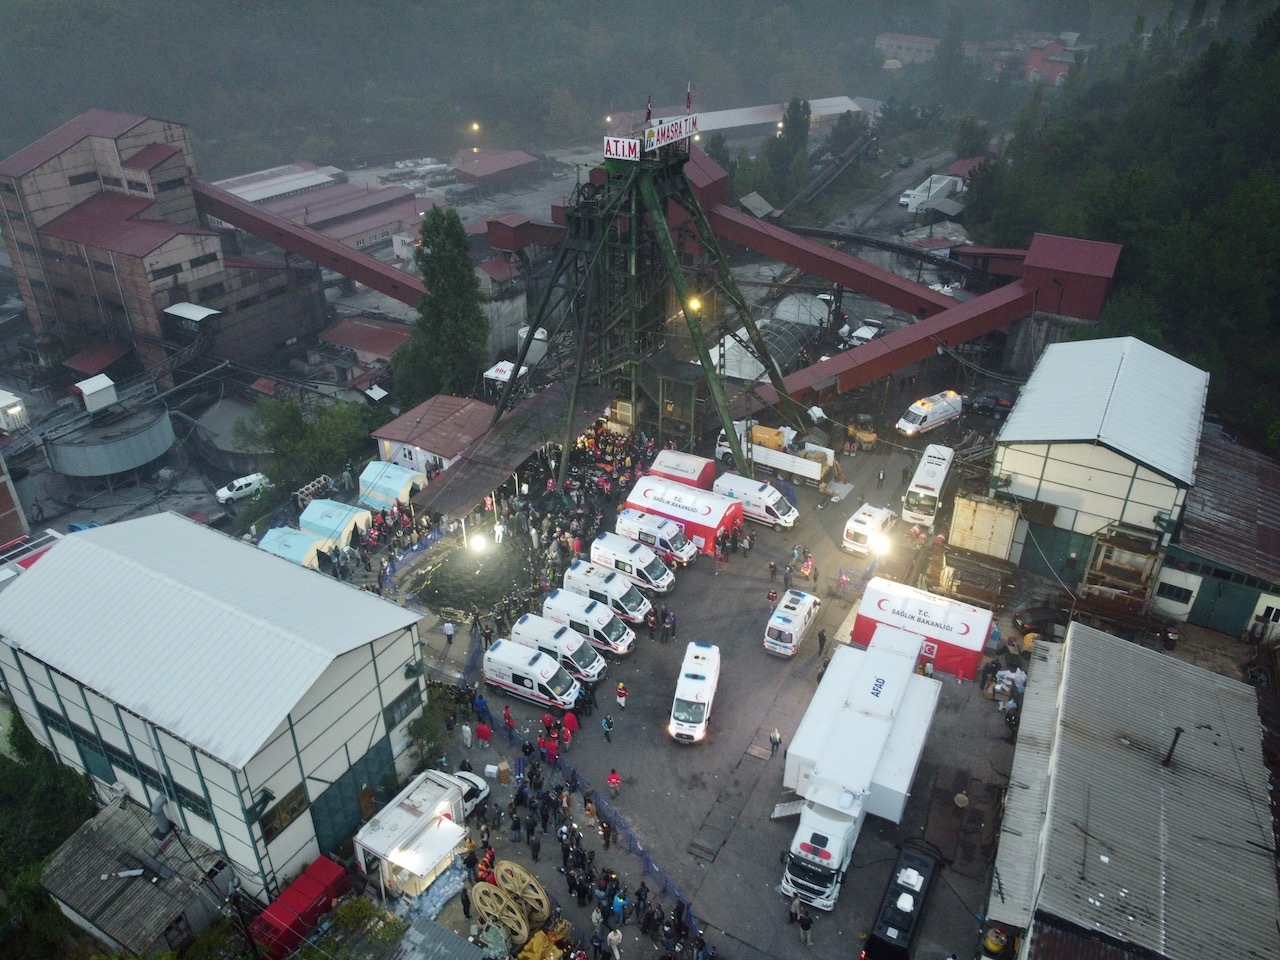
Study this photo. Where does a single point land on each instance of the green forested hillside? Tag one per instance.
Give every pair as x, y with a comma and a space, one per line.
1170, 148
341, 80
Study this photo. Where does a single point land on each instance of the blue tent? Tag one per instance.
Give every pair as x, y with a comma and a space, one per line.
382, 484
334, 519
295, 545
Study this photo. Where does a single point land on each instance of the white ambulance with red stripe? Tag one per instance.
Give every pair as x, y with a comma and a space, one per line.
529, 674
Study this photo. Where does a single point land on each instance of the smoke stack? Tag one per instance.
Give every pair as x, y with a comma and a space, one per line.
1168, 757
163, 826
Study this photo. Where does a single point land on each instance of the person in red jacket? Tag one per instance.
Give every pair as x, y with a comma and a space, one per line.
614, 781
621, 691
483, 733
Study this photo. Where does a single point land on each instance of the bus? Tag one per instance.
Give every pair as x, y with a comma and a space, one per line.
924, 496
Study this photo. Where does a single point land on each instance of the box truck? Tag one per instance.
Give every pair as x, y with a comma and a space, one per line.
664, 537
929, 413
609, 587
760, 501
633, 560
877, 701
685, 468
776, 448
529, 674
571, 648
695, 693
592, 619
700, 513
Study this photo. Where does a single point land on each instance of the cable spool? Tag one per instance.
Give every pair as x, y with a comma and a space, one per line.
995, 941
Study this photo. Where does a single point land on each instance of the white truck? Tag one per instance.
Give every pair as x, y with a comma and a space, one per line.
775, 448
873, 699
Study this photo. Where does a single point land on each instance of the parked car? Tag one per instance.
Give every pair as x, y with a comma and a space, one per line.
243, 487
1040, 618
477, 790
993, 403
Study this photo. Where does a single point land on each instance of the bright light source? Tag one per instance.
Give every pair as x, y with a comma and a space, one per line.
478, 542
475, 127
879, 545
695, 304
697, 136
779, 124
608, 119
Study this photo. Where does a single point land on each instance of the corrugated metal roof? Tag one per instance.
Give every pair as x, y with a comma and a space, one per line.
1232, 514
151, 156
1122, 393
91, 123
93, 360
1170, 858
1012, 899
381, 338
203, 635
500, 270
1071, 255
485, 162
443, 425
111, 221
134, 911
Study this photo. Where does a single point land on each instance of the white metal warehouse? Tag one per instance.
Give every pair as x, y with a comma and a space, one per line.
166, 659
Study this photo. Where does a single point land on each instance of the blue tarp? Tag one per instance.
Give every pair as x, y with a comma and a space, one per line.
295, 545
382, 484
332, 518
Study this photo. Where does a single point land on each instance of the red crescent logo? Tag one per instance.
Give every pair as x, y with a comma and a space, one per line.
706, 511
881, 603
964, 628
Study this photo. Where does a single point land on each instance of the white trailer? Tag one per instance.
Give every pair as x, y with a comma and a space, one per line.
877, 701
771, 447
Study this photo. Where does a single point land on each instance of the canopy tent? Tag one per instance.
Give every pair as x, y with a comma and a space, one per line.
955, 633
500, 372
382, 484
334, 520
296, 545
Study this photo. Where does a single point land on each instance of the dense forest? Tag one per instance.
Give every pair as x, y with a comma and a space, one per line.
336, 82
1167, 144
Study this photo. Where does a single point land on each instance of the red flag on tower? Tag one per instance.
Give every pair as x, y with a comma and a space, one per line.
688, 97
648, 111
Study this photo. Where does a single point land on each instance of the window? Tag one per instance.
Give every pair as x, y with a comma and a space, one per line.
202, 260
14, 214
113, 181
112, 305
161, 272
101, 265
7, 187
213, 291
79, 178
138, 185
26, 247
54, 721
64, 292
402, 706
165, 185
1168, 591
283, 813
359, 243
55, 255
79, 261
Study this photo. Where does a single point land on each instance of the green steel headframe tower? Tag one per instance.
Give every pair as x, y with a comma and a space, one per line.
639, 255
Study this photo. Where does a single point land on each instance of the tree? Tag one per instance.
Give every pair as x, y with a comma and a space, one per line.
970, 136
795, 127
451, 333
845, 131
302, 445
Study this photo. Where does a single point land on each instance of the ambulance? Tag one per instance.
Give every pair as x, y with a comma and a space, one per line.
612, 589
791, 622
570, 648
868, 530
664, 537
529, 674
695, 693
633, 560
592, 619
761, 502
930, 413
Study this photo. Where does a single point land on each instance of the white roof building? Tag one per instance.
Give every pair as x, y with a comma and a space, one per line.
1105, 435
1141, 816
165, 658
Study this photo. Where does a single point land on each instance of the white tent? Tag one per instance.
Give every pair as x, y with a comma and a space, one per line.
334, 519
382, 484
302, 548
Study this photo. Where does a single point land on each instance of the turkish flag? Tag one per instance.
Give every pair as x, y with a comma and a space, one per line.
688, 97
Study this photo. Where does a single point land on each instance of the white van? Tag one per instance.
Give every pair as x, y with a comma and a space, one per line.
761, 502
590, 618
929, 413
575, 654
868, 530
791, 622
530, 674
695, 692
664, 537
612, 589
633, 560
